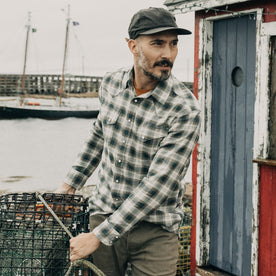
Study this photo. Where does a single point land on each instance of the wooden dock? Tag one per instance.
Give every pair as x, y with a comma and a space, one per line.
48, 84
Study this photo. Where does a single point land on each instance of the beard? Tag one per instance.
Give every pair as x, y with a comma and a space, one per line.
164, 75
144, 64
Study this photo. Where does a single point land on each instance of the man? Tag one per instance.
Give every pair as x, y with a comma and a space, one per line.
144, 135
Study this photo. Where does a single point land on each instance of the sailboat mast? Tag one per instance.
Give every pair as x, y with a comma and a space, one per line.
65, 54
28, 26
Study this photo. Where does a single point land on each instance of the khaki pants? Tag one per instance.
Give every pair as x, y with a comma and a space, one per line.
148, 248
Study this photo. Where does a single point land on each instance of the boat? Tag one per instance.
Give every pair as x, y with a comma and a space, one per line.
62, 107
7, 112
14, 110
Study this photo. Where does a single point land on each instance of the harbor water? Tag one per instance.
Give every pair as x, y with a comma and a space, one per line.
36, 154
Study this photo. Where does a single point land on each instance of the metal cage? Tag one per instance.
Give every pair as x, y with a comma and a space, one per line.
184, 244
31, 240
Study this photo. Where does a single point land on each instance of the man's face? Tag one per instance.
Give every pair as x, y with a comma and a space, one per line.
157, 54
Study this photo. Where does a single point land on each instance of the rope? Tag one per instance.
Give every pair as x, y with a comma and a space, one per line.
55, 216
86, 263
77, 262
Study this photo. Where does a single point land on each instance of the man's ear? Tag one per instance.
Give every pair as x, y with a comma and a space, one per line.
133, 46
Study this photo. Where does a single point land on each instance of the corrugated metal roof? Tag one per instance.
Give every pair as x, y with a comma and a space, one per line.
196, 5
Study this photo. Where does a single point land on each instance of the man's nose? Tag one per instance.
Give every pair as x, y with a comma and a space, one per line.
166, 52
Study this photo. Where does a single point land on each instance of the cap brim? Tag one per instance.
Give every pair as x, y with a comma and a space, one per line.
179, 31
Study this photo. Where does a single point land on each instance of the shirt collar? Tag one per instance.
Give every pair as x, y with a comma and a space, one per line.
128, 78
160, 92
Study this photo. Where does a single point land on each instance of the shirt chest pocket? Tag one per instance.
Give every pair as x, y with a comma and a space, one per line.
149, 138
110, 125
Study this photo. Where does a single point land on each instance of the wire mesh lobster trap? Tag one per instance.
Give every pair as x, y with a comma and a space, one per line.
31, 240
184, 244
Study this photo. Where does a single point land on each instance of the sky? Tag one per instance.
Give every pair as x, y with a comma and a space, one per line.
97, 45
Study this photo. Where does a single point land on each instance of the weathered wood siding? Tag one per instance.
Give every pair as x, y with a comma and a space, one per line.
272, 121
267, 215
267, 229
195, 5
232, 132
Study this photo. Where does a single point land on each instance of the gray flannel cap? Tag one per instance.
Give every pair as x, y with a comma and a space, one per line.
151, 21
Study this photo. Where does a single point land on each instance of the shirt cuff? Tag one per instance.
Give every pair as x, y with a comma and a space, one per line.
106, 233
75, 179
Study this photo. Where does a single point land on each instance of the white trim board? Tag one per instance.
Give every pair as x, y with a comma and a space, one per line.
195, 5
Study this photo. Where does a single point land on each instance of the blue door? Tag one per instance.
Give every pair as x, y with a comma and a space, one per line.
234, 54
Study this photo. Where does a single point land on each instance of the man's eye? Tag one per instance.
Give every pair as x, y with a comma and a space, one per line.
159, 43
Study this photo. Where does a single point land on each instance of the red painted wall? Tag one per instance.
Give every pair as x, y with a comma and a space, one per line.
267, 228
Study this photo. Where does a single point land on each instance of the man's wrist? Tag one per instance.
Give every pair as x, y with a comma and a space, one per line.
66, 189
106, 233
69, 188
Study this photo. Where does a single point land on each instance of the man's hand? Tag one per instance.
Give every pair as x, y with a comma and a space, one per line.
83, 245
65, 189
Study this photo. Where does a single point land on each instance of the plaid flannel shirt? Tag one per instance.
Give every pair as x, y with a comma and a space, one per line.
143, 146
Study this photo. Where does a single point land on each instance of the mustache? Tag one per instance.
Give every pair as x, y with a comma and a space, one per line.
163, 62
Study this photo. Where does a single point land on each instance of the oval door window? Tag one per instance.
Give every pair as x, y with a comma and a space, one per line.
237, 76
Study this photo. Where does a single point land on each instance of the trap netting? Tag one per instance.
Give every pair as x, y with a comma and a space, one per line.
184, 245
31, 240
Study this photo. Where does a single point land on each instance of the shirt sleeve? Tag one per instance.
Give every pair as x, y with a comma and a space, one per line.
164, 177
88, 158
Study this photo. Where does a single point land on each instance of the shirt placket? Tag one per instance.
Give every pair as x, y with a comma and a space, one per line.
126, 126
